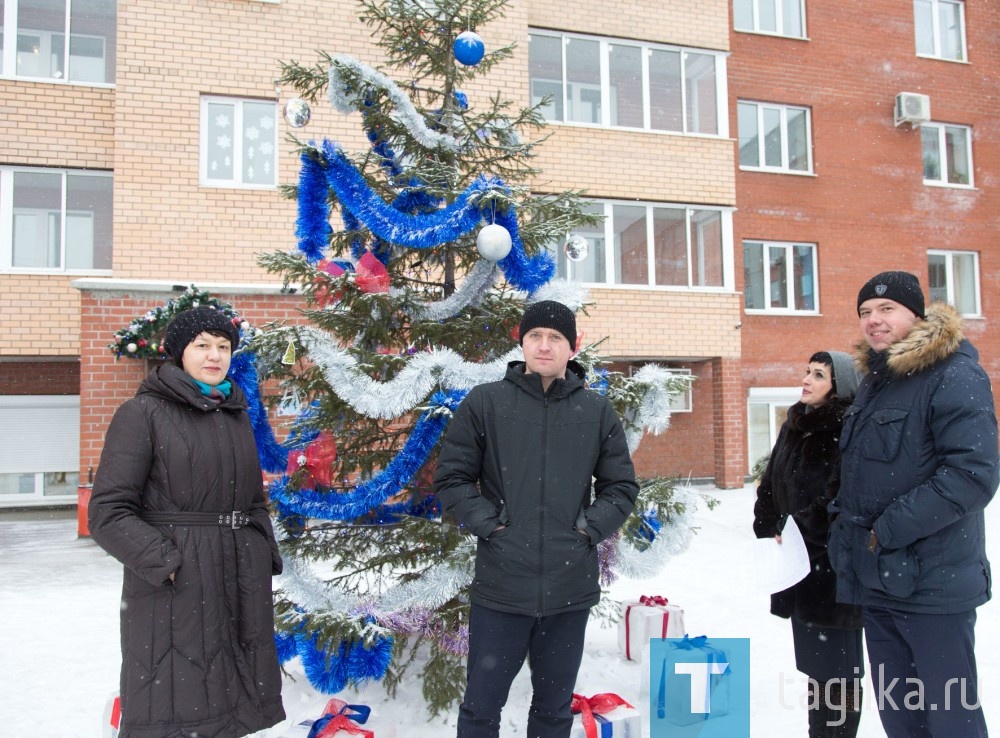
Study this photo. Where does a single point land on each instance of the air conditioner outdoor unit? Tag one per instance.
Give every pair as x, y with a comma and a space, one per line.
912, 107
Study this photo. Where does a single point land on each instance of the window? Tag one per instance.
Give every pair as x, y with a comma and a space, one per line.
238, 142
52, 220
954, 278
65, 40
653, 245
780, 17
947, 152
39, 448
682, 402
774, 138
779, 277
767, 409
940, 28
627, 84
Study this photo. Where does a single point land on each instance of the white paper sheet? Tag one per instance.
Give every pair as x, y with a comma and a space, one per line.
780, 565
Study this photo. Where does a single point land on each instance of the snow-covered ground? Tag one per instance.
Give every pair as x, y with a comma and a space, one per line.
59, 654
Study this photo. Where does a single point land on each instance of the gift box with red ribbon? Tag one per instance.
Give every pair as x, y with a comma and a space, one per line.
341, 720
651, 616
112, 716
605, 715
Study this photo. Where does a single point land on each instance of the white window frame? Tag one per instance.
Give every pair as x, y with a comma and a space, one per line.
935, 14
8, 212
610, 262
785, 166
951, 287
942, 154
606, 44
790, 295
11, 32
236, 182
780, 19
773, 398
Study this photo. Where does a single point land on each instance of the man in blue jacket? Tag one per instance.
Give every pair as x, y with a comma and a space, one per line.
537, 467
919, 464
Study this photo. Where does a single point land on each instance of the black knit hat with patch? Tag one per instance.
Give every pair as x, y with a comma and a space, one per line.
549, 314
901, 287
186, 326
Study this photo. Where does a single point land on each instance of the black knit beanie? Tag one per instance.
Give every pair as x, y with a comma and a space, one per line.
549, 314
901, 287
186, 326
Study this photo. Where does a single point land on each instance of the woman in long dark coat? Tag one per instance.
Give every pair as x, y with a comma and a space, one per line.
801, 479
178, 499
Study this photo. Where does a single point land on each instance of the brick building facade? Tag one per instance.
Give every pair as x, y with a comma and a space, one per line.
648, 114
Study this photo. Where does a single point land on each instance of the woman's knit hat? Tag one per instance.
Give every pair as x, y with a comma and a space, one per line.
901, 287
186, 326
549, 314
844, 374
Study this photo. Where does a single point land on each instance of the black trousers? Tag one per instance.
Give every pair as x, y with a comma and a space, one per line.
498, 645
923, 672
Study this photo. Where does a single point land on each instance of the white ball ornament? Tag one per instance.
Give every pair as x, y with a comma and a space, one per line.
493, 242
131, 348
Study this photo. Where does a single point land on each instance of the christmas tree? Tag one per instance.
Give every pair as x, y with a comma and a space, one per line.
412, 299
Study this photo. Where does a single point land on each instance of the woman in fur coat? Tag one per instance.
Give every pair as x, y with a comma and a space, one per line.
801, 479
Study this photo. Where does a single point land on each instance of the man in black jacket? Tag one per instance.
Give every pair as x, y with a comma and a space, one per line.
919, 463
537, 467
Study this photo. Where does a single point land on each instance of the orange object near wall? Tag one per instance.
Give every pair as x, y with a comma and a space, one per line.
82, 503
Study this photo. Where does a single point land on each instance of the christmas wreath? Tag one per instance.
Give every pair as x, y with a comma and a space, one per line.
142, 338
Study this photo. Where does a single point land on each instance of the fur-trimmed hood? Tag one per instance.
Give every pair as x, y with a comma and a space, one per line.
929, 342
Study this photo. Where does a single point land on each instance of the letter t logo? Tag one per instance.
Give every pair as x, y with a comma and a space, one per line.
701, 678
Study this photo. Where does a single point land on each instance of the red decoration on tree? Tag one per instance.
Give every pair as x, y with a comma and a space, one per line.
320, 455
371, 275
320, 290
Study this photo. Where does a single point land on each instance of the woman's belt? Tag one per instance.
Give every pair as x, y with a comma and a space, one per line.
234, 519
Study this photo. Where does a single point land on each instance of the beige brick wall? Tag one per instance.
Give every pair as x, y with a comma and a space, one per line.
647, 324
636, 165
169, 227
702, 24
39, 316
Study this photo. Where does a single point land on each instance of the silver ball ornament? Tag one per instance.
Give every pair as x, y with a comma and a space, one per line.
577, 248
493, 242
297, 112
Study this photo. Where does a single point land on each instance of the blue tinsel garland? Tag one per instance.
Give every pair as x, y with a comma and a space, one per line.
416, 231
243, 370
312, 226
396, 223
372, 493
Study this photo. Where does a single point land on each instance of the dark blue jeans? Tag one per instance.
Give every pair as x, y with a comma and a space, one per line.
498, 645
923, 672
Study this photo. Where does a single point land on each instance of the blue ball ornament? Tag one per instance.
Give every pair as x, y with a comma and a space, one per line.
469, 48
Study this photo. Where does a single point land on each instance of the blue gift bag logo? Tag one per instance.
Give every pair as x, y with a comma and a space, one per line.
699, 687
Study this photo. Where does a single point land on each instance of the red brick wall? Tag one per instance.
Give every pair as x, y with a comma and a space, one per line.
866, 208
39, 377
